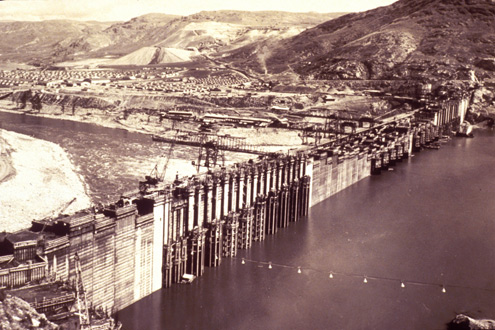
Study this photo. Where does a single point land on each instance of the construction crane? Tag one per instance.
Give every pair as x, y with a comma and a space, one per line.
156, 176
209, 154
83, 312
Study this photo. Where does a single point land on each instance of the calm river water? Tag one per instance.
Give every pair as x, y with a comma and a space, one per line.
428, 223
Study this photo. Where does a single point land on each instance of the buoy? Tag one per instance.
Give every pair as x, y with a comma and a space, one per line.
330, 276
243, 262
365, 280
402, 285
270, 265
299, 271
443, 289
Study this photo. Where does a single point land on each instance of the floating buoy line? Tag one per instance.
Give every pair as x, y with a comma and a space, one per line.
403, 283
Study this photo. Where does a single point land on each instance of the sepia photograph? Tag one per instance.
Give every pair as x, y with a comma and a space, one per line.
245, 165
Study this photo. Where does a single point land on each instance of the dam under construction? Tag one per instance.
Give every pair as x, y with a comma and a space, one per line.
170, 234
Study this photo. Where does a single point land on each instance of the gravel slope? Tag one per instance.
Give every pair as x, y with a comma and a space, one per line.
42, 182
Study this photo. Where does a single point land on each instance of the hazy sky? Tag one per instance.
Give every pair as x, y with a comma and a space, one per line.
121, 10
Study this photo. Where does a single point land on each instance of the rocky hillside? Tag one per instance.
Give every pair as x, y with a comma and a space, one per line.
117, 39
56, 41
408, 39
264, 18
36, 41
16, 314
220, 31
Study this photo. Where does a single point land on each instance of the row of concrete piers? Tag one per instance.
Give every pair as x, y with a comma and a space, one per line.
213, 216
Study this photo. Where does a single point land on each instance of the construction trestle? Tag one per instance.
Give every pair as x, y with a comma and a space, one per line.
142, 243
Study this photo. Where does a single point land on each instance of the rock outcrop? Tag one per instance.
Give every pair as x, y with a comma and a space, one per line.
16, 314
464, 322
417, 39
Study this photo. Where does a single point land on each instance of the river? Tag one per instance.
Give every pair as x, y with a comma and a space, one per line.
429, 223
111, 160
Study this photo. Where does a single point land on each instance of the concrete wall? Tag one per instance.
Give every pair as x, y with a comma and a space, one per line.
333, 173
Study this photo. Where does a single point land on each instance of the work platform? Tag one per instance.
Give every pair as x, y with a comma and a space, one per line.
228, 143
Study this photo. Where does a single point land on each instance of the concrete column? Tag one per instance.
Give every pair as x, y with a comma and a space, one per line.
159, 234
233, 191
167, 217
199, 212
248, 186
217, 198
137, 263
254, 185
190, 208
173, 227
240, 189
181, 217
269, 178
291, 170
208, 206
307, 165
261, 181
225, 194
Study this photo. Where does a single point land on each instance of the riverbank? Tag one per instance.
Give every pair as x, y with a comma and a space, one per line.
273, 139
41, 182
6, 168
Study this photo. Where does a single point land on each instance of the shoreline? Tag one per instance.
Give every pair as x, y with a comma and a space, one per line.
74, 118
7, 170
45, 184
249, 133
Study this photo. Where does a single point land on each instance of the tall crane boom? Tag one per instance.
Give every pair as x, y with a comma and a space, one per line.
156, 176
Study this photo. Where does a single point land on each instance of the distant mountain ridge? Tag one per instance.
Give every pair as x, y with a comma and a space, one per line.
54, 41
408, 39
34, 41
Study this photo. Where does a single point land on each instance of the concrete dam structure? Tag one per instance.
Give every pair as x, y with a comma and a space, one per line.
150, 240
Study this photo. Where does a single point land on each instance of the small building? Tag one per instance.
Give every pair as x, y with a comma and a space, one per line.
277, 108
328, 98
348, 127
100, 81
366, 122
19, 262
54, 83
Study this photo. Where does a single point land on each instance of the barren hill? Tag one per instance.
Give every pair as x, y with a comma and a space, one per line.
264, 18
56, 41
155, 55
35, 41
408, 39
119, 38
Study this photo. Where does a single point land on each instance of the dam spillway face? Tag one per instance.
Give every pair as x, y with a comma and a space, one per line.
147, 241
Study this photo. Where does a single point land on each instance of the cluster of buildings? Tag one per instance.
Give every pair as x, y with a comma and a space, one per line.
63, 77
160, 80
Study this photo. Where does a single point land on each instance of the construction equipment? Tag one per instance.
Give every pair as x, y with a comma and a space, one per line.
82, 311
100, 322
156, 176
209, 154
